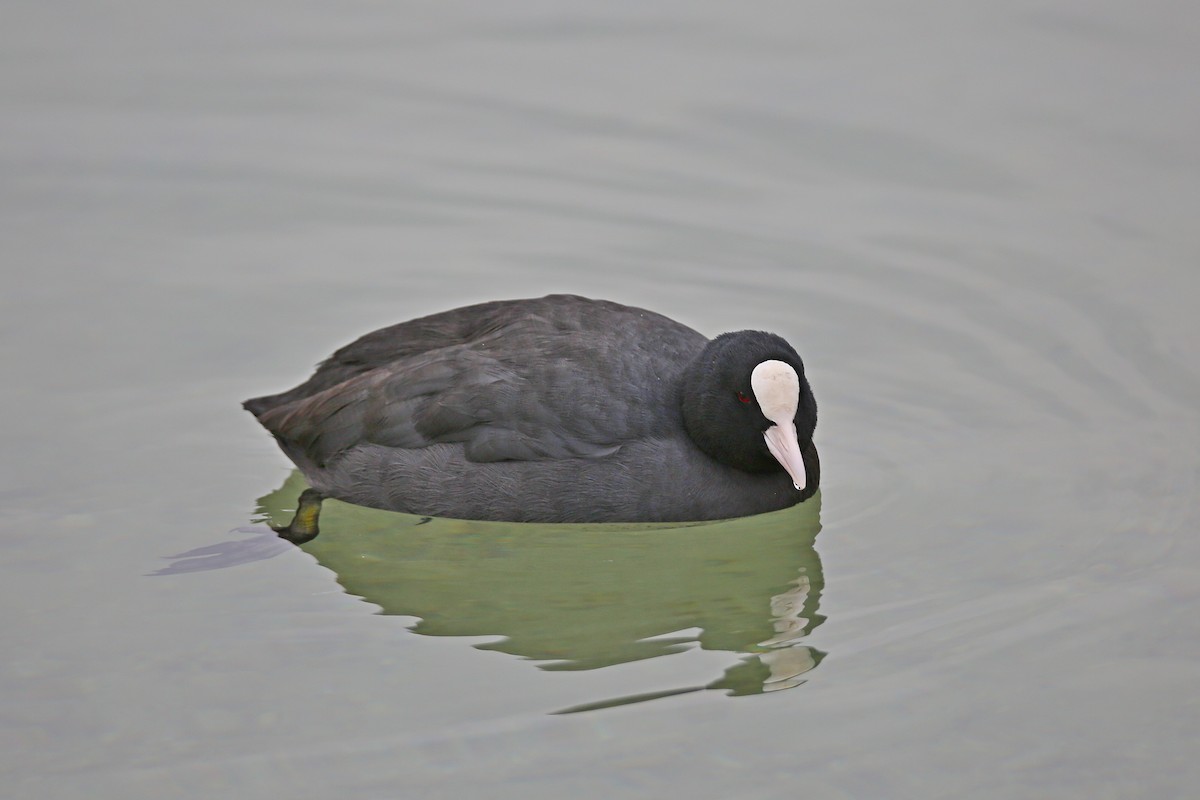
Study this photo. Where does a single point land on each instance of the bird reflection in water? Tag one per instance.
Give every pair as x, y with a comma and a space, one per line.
582, 596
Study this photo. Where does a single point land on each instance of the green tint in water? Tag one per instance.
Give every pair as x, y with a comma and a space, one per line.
588, 596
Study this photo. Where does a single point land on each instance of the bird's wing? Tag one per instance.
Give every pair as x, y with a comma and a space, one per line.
498, 411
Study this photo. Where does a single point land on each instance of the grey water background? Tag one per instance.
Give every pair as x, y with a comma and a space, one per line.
976, 221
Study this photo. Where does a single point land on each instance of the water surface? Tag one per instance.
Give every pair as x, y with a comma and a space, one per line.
975, 222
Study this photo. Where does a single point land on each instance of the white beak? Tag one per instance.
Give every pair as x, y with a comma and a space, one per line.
783, 444
777, 388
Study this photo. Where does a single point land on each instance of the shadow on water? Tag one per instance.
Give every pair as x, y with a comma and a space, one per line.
579, 597
265, 544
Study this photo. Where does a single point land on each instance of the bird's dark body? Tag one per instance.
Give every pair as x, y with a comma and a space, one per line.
559, 409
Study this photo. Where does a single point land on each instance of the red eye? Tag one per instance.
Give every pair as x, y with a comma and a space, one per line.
745, 398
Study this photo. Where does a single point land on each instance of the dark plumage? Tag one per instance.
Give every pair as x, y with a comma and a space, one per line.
559, 409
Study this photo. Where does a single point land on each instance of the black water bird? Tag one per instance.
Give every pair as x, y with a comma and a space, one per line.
558, 409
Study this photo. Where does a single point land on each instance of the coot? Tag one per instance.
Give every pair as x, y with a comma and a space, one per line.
559, 409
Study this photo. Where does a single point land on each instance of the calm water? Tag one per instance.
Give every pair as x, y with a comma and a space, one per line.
975, 221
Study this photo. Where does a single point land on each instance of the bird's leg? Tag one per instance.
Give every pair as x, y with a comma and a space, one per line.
303, 527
